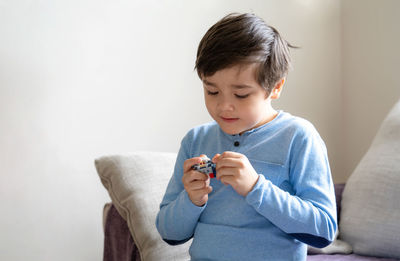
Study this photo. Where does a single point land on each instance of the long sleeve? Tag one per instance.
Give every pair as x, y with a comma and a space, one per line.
308, 212
178, 216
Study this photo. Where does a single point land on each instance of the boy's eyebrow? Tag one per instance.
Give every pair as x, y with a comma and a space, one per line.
209, 83
236, 86
241, 86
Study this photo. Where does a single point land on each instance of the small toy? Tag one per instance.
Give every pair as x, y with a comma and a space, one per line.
207, 167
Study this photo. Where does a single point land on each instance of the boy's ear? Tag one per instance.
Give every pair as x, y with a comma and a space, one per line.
276, 91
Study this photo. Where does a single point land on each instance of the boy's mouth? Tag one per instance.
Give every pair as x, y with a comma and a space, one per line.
229, 120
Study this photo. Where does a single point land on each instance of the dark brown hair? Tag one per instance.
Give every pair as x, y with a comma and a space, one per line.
244, 39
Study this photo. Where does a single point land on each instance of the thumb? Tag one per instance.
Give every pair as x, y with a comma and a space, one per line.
216, 158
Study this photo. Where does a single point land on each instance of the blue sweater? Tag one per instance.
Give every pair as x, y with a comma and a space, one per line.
291, 205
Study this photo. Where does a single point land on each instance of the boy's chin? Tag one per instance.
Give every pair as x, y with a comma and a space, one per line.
232, 131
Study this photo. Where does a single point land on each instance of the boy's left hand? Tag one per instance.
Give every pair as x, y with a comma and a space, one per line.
236, 170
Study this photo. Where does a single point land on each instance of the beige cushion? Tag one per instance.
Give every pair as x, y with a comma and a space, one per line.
136, 184
370, 216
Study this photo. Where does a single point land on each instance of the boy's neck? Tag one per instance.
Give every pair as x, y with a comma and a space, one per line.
268, 118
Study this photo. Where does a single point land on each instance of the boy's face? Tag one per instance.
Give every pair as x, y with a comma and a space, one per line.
236, 101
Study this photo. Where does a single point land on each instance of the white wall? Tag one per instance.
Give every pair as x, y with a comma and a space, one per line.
371, 63
80, 79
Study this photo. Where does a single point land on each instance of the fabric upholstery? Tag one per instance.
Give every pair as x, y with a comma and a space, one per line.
370, 215
136, 183
119, 244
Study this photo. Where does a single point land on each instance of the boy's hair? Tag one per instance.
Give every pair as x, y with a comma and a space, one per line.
244, 39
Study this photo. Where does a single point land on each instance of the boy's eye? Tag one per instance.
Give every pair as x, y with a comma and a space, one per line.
212, 93
242, 96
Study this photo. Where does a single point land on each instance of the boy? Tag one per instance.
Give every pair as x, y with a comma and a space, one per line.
273, 193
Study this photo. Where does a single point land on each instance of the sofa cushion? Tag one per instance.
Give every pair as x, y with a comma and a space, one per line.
370, 212
136, 184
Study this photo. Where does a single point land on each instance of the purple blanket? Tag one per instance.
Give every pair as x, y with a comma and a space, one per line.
352, 257
118, 242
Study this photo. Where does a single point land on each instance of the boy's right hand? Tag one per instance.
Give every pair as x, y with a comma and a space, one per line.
196, 184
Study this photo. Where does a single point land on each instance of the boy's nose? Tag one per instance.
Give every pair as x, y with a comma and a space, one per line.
225, 105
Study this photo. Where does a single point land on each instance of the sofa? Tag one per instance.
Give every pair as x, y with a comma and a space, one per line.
368, 204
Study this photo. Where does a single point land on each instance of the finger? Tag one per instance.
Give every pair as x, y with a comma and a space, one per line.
198, 195
188, 164
204, 191
231, 154
194, 175
216, 157
197, 185
226, 172
208, 180
229, 163
228, 180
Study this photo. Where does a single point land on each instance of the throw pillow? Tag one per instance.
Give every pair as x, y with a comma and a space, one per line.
136, 184
370, 213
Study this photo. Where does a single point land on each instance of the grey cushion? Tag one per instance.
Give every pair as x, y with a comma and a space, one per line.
370, 216
136, 184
